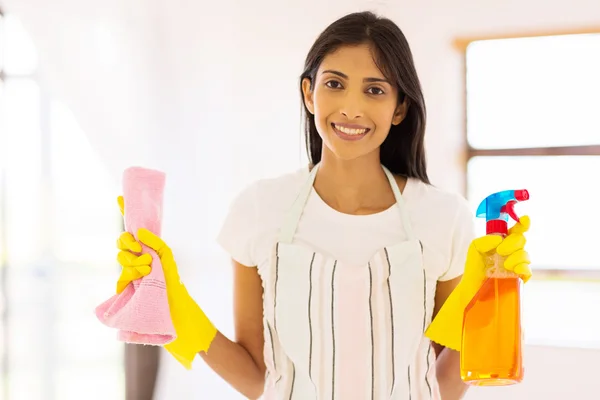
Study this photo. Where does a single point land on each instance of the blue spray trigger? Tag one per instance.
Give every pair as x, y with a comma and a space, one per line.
498, 207
492, 206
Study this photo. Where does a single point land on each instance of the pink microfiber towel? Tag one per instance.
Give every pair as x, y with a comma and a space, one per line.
141, 312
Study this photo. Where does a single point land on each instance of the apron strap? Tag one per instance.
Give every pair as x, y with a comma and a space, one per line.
401, 205
292, 218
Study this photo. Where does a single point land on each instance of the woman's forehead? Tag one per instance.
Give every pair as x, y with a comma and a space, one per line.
352, 61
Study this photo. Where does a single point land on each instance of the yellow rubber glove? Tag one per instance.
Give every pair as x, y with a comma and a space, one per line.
134, 266
446, 328
194, 330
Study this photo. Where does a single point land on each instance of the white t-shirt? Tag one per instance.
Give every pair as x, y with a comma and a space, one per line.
441, 220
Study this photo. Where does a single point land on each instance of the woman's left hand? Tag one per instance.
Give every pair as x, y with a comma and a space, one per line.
512, 248
446, 328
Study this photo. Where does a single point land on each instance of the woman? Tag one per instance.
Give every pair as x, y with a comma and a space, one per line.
341, 266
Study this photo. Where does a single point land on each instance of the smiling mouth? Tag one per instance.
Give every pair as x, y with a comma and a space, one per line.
350, 132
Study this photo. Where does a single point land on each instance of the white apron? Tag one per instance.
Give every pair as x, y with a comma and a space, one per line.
338, 331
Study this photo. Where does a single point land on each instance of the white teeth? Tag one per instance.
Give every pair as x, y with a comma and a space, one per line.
348, 131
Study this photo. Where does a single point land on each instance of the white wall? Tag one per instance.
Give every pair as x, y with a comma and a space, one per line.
221, 79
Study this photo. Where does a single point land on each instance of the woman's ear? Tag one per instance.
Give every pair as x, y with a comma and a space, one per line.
308, 95
400, 112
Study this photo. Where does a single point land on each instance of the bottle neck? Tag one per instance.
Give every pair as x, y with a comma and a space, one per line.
497, 227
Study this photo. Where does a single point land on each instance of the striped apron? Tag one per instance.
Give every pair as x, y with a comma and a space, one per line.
337, 331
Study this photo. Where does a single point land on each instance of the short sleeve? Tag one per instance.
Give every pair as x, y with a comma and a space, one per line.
239, 230
463, 234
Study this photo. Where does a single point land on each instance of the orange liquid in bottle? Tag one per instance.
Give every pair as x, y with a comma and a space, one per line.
491, 353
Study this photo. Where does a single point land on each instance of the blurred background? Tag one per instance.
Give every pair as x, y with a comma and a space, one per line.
208, 92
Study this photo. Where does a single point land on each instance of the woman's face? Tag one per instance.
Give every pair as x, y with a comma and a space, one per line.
353, 104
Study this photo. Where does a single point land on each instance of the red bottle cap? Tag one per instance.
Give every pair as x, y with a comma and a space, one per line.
496, 226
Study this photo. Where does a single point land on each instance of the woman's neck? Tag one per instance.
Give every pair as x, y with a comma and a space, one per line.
358, 186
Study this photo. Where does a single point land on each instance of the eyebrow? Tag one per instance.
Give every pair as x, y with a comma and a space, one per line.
342, 75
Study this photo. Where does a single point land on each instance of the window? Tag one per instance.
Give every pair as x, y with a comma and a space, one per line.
58, 224
532, 123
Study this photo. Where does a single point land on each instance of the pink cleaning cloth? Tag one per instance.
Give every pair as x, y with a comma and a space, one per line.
141, 312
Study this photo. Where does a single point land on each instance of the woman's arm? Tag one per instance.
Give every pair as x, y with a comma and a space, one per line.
241, 362
448, 361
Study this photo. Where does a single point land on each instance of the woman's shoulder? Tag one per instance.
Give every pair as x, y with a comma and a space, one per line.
445, 223
280, 184
256, 213
273, 192
435, 197
443, 207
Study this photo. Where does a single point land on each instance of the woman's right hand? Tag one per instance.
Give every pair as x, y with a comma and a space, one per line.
194, 330
134, 264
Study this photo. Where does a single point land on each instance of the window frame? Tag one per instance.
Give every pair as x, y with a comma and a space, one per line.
461, 44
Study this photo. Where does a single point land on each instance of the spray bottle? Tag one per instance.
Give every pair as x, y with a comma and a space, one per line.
491, 353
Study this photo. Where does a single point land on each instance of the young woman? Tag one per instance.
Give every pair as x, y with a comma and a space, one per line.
340, 266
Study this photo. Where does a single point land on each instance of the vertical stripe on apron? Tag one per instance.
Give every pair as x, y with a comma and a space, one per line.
389, 266
333, 330
272, 344
275, 308
293, 381
424, 322
372, 333
427, 372
409, 388
310, 326
275, 288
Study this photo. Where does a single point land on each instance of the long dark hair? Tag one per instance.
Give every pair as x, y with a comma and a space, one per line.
403, 150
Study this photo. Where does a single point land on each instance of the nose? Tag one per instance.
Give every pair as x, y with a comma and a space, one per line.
350, 115
352, 107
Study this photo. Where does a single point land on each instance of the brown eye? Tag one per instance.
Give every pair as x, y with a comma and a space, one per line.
376, 91
333, 85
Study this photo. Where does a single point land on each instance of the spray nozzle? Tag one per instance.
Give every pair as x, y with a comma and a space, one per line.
497, 207
521, 195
